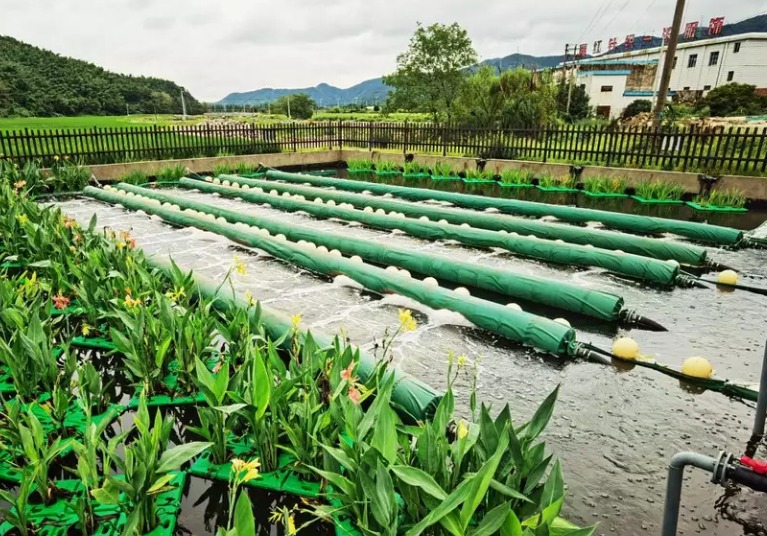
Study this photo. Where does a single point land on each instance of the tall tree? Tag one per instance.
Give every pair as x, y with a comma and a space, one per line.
297, 106
579, 101
430, 73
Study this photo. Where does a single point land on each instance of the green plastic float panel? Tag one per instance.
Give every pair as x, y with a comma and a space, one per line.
627, 222
57, 519
518, 326
714, 208
646, 247
411, 398
550, 292
652, 270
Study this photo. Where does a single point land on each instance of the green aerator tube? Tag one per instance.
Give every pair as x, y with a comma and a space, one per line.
652, 270
518, 326
638, 245
411, 398
550, 292
626, 222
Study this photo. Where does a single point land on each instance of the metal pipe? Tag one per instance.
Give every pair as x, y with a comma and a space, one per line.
723, 470
674, 486
761, 403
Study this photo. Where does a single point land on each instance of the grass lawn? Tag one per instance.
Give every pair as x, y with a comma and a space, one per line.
90, 121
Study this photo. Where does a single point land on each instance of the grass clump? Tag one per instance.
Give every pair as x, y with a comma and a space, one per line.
222, 169
443, 169
605, 185
135, 177
171, 174
360, 165
413, 168
516, 176
733, 198
386, 166
660, 191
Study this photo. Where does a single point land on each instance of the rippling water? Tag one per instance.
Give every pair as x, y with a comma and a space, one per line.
614, 429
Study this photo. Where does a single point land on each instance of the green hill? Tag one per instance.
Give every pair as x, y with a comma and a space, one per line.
37, 82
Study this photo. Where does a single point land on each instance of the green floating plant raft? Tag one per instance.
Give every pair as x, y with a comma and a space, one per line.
416, 175
644, 201
93, 343
560, 189
282, 480
58, 519
715, 208
387, 173
478, 181
514, 185
445, 178
605, 194
359, 171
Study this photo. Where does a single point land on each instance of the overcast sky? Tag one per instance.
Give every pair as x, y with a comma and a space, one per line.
216, 47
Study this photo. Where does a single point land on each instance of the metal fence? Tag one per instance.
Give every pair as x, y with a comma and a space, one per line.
714, 150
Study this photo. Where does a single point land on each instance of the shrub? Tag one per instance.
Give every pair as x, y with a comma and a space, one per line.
734, 99
637, 107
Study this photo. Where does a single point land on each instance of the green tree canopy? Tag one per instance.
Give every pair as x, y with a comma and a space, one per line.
637, 107
430, 73
734, 99
297, 106
579, 101
517, 98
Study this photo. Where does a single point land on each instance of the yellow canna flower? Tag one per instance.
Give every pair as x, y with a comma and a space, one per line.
239, 266
86, 329
461, 361
291, 526
246, 471
121, 245
463, 430
406, 320
295, 320
250, 298
22, 219
56, 158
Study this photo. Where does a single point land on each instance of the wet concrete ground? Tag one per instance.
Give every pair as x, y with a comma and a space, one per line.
614, 429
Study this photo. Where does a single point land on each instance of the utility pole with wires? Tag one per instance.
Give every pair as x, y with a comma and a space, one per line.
569, 73
668, 63
183, 106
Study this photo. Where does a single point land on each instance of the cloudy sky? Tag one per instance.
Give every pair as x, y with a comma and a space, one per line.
217, 47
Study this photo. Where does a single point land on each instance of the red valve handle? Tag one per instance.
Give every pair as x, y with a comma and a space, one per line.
757, 466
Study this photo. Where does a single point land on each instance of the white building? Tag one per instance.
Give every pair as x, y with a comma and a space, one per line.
614, 80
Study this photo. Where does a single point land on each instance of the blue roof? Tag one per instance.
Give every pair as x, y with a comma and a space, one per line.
597, 61
605, 73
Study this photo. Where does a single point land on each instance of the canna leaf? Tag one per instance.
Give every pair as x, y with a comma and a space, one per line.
160, 483
542, 416
420, 479
451, 502
492, 521
511, 525
244, 521
481, 482
174, 458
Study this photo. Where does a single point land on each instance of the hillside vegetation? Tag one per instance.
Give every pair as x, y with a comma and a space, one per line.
37, 82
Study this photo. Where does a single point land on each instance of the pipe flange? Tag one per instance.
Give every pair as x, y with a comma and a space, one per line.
721, 466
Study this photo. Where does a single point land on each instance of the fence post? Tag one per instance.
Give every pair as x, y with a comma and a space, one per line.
545, 143
610, 144
370, 137
340, 135
406, 138
443, 131
294, 135
156, 140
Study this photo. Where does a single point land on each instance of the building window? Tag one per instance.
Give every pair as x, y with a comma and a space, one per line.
606, 89
706, 88
737, 48
692, 61
713, 59
730, 76
673, 65
686, 88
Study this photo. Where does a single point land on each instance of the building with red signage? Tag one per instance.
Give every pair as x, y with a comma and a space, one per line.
615, 79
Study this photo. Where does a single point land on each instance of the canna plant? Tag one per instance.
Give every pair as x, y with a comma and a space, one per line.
386, 166
67, 176
413, 168
18, 513
443, 169
147, 468
515, 176
659, 191
360, 165
215, 418
28, 357
40, 452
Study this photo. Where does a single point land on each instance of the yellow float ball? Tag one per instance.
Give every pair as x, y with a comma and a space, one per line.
626, 348
697, 367
728, 277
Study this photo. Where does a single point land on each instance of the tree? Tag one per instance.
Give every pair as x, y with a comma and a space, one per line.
637, 107
579, 101
734, 99
431, 72
297, 106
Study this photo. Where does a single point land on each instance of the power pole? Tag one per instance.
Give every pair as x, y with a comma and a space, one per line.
183, 106
668, 63
289, 107
570, 78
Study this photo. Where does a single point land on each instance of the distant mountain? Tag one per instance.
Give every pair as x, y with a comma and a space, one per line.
372, 91
38, 82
